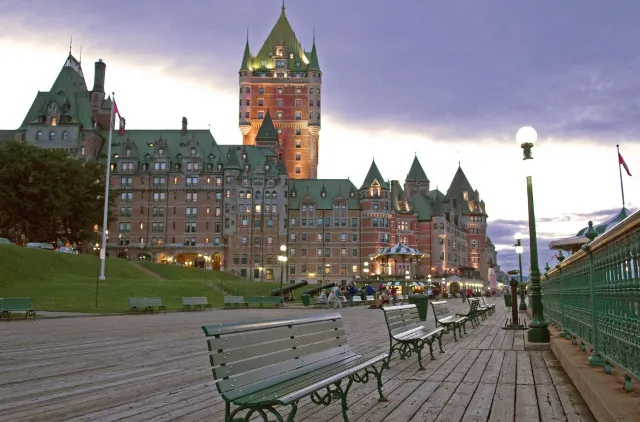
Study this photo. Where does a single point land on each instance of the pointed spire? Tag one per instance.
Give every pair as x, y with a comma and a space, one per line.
282, 7
246, 57
267, 131
314, 64
416, 173
70, 44
459, 184
374, 174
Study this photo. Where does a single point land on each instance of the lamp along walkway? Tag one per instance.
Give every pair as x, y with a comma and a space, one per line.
156, 369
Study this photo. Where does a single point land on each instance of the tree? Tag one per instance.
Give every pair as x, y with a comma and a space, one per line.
46, 195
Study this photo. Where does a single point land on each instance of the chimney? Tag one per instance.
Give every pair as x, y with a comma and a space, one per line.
98, 77
184, 126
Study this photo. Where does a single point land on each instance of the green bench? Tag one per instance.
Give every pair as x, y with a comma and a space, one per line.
262, 299
146, 304
449, 322
195, 303
16, 304
407, 333
491, 306
261, 365
474, 311
235, 301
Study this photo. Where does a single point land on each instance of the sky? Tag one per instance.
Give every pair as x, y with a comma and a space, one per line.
448, 81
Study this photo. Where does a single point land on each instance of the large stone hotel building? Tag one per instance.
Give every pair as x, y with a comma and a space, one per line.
181, 197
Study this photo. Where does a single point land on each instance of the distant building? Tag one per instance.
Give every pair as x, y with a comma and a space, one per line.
181, 197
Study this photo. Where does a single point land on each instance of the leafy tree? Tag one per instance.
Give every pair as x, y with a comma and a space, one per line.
46, 196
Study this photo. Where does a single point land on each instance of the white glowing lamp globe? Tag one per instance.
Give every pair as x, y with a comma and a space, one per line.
526, 135
283, 248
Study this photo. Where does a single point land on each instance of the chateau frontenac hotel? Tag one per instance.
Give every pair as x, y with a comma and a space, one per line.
181, 197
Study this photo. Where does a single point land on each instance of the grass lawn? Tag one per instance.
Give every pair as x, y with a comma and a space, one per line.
65, 282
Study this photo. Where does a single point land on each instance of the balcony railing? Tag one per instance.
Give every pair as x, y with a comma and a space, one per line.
594, 298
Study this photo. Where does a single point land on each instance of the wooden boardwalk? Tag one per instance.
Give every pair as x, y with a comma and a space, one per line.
154, 368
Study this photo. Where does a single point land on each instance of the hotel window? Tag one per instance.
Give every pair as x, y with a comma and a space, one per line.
52, 135
160, 165
82, 150
261, 89
279, 115
280, 90
190, 211
279, 102
298, 103
159, 196
298, 115
261, 115
298, 132
298, 143
245, 241
191, 196
261, 102
190, 227
298, 157
298, 170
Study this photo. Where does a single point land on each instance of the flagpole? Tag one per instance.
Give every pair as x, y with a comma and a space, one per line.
620, 170
103, 248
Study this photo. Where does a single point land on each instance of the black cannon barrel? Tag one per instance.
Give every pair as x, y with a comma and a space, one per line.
317, 289
287, 289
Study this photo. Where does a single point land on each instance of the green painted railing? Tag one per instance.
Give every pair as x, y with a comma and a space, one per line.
594, 298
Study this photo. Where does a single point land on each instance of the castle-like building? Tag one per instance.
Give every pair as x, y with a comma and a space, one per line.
183, 198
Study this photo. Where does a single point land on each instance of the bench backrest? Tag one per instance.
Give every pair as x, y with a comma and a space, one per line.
15, 304
356, 299
474, 303
195, 301
401, 318
139, 302
483, 301
246, 357
233, 299
370, 298
440, 309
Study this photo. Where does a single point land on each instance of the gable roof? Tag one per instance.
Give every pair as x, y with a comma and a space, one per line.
267, 131
416, 173
459, 184
69, 92
374, 174
312, 189
282, 34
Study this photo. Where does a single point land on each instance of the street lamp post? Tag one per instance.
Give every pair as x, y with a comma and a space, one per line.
519, 250
538, 327
283, 260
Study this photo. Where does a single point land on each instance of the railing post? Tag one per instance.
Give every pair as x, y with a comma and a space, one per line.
595, 359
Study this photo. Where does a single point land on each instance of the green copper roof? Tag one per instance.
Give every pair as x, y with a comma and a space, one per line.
267, 131
232, 161
314, 64
459, 184
374, 174
145, 142
246, 58
607, 225
429, 205
416, 173
282, 34
322, 193
69, 92
398, 198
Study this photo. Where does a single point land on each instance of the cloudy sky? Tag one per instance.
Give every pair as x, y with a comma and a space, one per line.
450, 81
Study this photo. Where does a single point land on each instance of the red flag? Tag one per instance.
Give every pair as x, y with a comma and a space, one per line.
554, 256
623, 164
122, 121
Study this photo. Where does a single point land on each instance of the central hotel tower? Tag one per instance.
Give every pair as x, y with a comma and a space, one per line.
280, 97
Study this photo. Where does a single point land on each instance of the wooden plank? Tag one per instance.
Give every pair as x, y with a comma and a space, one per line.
549, 404
526, 404
455, 408
508, 370
474, 375
503, 406
433, 406
480, 405
518, 340
507, 343
524, 373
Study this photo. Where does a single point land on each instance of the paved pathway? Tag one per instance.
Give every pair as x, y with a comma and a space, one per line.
154, 368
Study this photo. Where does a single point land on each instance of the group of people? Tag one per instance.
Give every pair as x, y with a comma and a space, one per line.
386, 295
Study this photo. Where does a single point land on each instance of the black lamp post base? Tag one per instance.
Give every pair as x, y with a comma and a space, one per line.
520, 324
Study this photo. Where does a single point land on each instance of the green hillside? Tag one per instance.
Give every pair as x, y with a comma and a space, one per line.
65, 282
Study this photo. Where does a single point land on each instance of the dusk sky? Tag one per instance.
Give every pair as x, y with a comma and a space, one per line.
450, 81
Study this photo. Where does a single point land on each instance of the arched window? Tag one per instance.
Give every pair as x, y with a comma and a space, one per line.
65, 135
39, 135
247, 90
261, 90
52, 135
257, 194
274, 195
310, 90
267, 195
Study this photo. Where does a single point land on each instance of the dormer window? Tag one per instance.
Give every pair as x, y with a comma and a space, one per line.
291, 56
293, 194
279, 51
65, 135
352, 195
39, 135
52, 135
53, 121
266, 167
160, 151
244, 155
323, 194
128, 152
219, 167
193, 151
246, 167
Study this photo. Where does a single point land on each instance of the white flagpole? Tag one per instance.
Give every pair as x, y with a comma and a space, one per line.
103, 248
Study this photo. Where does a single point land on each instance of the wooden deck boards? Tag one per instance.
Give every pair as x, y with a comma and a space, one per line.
154, 368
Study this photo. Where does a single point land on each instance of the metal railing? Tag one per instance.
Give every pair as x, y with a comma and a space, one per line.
594, 298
